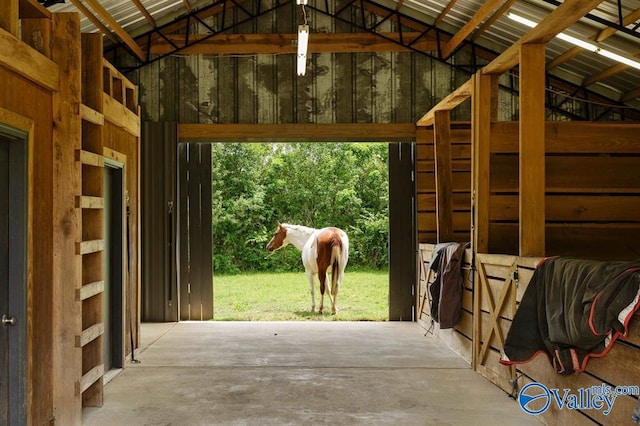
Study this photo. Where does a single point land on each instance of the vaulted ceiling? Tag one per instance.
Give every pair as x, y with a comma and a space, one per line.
147, 30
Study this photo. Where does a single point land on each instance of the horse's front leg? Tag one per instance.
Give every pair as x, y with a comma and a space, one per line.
313, 296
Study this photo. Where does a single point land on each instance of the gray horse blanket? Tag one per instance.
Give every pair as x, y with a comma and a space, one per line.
573, 310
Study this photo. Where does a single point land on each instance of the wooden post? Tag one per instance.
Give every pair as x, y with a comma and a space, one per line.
444, 175
481, 153
67, 319
532, 149
484, 93
9, 16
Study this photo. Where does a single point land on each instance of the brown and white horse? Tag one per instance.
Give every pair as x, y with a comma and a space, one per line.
321, 249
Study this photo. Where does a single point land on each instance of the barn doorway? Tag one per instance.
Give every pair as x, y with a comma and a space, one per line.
163, 229
13, 275
114, 264
246, 208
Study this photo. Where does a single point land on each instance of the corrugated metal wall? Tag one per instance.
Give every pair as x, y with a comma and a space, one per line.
394, 87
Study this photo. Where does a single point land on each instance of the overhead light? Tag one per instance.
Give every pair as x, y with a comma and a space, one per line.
580, 43
303, 43
303, 2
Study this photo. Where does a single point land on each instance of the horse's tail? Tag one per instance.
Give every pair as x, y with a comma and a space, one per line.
336, 260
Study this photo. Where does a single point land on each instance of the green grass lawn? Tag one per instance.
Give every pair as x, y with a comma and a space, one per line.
363, 296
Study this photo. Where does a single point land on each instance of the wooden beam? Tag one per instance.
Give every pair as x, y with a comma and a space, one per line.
365, 132
480, 15
67, 270
626, 20
31, 9
91, 246
444, 175
557, 21
451, 101
187, 5
569, 54
444, 12
145, 13
9, 12
89, 158
95, 21
604, 74
22, 59
119, 115
487, 24
90, 378
246, 44
633, 94
481, 154
532, 150
600, 36
89, 290
91, 115
90, 334
122, 34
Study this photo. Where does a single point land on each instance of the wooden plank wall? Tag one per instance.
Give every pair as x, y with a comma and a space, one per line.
592, 182
460, 338
24, 96
460, 185
379, 87
592, 179
618, 368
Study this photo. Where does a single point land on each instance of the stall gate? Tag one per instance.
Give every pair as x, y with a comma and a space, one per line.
496, 291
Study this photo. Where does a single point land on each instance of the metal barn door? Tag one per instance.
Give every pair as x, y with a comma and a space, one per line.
195, 264
13, 280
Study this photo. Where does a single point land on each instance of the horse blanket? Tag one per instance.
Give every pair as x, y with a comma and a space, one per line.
573, 310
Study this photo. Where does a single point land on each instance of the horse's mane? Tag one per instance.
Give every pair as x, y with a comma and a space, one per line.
300, 228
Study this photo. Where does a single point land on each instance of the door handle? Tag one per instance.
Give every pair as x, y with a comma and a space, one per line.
8, 320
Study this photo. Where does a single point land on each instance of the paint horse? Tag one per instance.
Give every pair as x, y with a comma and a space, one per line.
321, 249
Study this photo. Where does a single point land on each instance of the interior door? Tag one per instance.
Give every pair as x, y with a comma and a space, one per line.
114, 282
13, 279
4, 280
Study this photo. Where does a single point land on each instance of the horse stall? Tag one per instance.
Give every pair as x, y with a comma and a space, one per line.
591, 212
70, 113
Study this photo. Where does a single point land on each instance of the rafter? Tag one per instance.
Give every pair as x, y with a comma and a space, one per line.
600, 36
108, 19
480, 15
557, 21
444, 12
95, 21
145, 13
631, 95
604, 74
246, 44
492, 19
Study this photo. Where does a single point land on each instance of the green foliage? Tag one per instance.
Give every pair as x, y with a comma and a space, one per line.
312, 184
363, 296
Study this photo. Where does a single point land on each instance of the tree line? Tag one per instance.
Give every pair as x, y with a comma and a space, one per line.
257, 185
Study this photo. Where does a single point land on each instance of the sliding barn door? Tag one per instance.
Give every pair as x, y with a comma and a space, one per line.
195, 265
402, 232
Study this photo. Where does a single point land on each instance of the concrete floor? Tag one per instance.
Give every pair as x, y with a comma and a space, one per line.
299, 373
